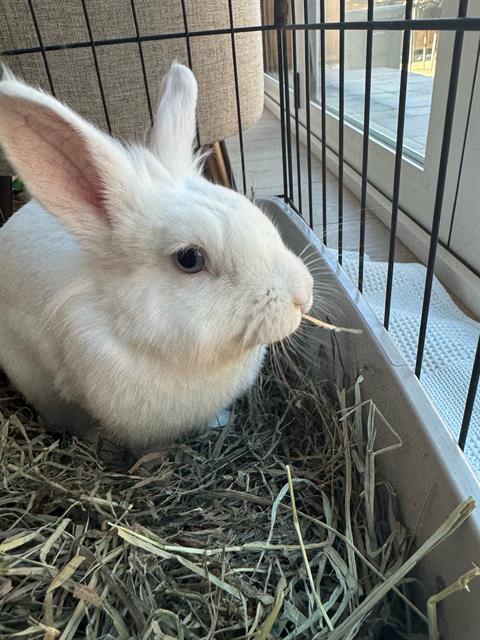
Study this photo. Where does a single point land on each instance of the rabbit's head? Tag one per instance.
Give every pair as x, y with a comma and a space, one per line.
180, 265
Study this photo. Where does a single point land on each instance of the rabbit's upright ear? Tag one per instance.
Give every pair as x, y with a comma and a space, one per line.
173, 133
74, 170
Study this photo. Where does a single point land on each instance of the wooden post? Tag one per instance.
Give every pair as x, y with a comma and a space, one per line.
217, 166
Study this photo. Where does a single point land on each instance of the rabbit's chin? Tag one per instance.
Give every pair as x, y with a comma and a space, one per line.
278, 332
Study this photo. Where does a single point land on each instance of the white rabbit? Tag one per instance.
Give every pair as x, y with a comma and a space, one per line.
133, 292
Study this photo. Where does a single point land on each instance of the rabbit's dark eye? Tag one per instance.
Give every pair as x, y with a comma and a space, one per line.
190, 260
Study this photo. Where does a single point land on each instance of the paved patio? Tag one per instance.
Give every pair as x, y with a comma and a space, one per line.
384, 103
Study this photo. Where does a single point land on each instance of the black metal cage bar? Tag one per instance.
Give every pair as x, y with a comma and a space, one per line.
323, 101
93, 47
142, 60
341, 129
187, 34
280, 20
366, 142
442, 174
42, 47
440, 24
296, 98
466, 134
307, 116
237, 98
471, 396
288, 120
402, 102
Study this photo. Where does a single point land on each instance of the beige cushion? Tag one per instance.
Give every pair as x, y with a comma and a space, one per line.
73, 70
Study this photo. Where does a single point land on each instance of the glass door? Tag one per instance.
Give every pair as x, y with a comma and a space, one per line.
387, 52
427, 89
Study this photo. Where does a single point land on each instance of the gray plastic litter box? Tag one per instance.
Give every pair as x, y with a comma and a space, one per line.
428, 472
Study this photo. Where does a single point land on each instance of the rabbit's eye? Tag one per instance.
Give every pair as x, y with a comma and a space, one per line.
190, 260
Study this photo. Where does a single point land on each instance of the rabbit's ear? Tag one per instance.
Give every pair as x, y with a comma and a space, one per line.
173, 133
73, 169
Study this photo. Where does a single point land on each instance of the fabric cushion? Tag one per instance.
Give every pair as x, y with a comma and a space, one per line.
73, 70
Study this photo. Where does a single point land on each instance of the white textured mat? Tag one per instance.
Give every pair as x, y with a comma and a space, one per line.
450, 344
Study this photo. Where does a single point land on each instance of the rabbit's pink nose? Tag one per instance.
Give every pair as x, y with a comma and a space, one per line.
303, 301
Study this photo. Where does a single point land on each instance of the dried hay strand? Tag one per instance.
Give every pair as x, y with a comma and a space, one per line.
272, 527
330, 327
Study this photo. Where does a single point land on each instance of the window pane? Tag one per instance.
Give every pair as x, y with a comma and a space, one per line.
386, 61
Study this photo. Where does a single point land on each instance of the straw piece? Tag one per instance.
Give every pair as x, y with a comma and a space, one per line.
296, 524
17, 541
264, 632
53, 538
253, 547
151, 546
88, 595
74, 622
67, 572
459, 585
330, 327
48, 619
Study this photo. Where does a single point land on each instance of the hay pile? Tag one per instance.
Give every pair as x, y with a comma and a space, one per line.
273, 527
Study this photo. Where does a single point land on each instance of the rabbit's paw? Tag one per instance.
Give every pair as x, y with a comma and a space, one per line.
220, 420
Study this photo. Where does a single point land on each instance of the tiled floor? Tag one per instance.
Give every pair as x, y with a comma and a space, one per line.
263, 169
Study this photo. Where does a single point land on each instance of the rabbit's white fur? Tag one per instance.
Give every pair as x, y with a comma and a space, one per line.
96, 320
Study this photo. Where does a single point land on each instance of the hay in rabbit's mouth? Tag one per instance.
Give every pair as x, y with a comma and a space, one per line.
330, 327
273, 527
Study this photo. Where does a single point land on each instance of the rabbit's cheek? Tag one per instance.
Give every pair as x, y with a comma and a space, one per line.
283, 325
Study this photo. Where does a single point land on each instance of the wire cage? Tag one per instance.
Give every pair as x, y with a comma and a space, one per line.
287, 39
288, 77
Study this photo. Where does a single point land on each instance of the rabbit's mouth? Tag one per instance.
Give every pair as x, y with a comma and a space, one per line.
273, 328
304, 305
